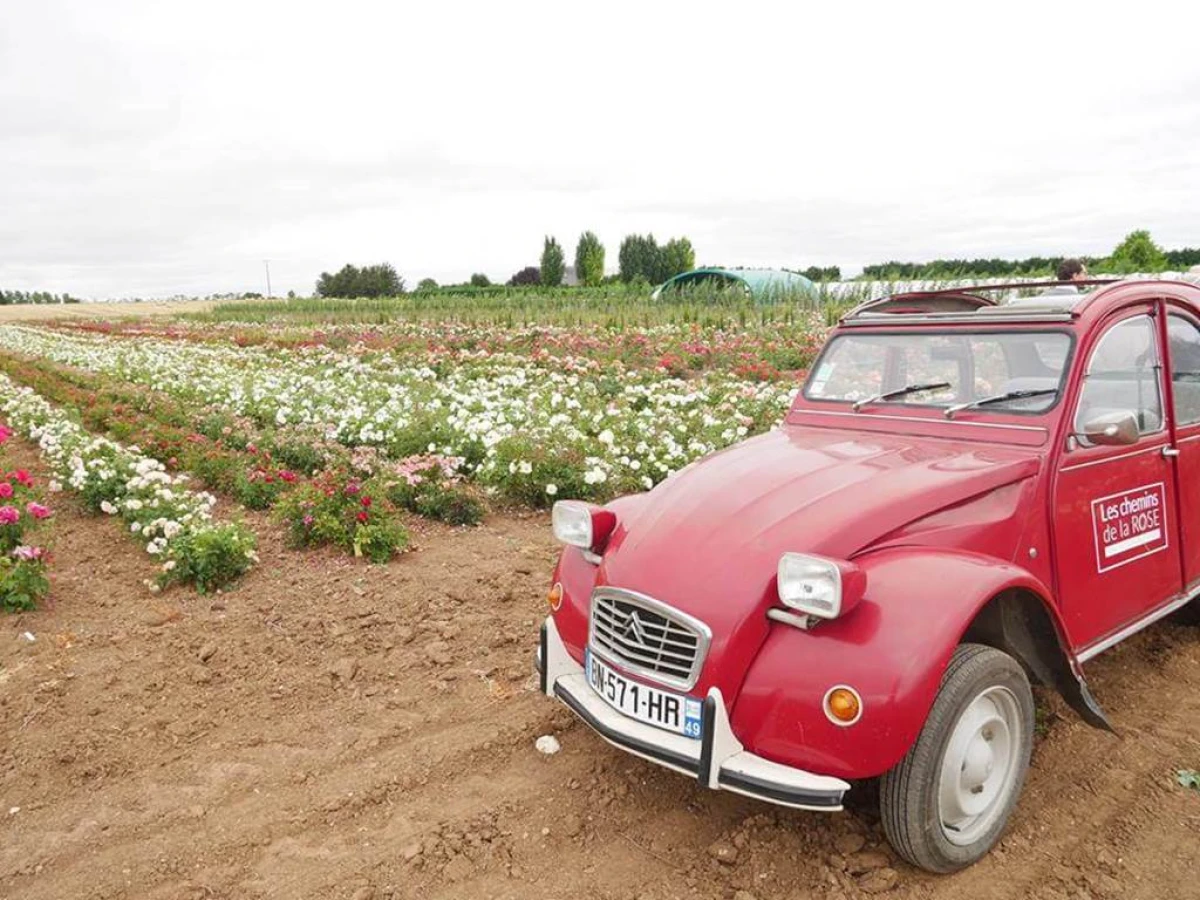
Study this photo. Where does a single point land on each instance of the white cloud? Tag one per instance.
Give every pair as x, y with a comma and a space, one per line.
149, 148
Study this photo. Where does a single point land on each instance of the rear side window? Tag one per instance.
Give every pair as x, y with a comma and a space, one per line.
1183, 345
1122, 376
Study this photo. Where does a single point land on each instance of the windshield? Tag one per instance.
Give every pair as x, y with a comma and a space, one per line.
948, 369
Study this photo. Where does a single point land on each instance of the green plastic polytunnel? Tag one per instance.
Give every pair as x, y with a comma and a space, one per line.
762, 285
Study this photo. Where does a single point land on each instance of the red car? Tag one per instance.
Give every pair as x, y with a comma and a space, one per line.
966, 497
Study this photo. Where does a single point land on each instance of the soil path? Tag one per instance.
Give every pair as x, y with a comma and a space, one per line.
335, 730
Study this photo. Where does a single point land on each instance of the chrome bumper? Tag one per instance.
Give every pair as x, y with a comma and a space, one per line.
717, 760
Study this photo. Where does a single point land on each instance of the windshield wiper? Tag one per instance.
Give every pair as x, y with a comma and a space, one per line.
999, 398
899, 392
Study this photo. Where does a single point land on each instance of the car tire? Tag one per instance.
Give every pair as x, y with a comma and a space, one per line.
947, 802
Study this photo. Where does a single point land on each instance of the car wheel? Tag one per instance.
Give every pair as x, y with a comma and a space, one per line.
947, 802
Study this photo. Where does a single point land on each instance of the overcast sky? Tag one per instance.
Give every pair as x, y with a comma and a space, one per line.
154, 148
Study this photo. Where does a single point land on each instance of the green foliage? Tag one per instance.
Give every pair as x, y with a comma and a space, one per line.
677, 257
1137, 253
480, 280
638, 257
589, 260
212, 557
22, 583
298, 455
553, 263
1188, 778
423, 487
1181, 260
370, 281
527, 276
217, 471
12, 298
525, 469
829, 273
379, 540
641, 257
427, 284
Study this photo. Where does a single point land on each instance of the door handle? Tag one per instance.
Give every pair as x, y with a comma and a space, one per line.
1170, 451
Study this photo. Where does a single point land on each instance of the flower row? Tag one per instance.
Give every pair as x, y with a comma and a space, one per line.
758, 351
23, 576
254, 466
174, 522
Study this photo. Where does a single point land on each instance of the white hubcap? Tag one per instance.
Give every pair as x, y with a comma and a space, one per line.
979, 766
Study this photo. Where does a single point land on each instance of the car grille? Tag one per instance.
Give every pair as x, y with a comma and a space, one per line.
648, 637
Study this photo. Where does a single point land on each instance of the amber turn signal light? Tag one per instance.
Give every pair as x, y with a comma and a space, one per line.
843, 706
555, 597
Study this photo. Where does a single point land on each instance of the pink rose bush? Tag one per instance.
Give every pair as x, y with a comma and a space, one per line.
23, 576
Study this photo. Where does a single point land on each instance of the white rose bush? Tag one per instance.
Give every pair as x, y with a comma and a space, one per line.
173, 522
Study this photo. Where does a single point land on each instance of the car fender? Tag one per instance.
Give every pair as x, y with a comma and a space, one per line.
892, 649
577, 575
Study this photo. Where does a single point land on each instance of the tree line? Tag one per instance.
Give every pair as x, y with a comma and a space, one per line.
12, 298
639, 258
1136, 253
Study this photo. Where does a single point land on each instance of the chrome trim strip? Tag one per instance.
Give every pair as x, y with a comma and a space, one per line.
702, 632
1130, 630
1190, 437
940, 420
1108, 459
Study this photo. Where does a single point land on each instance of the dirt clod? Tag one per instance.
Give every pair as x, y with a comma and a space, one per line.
848, 844
345, 669
866, 861
438, 653
878, 881
723, 852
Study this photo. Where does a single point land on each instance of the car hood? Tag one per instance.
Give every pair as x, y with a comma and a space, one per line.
707, 541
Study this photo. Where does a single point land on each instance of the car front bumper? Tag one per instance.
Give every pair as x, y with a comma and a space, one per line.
717, 760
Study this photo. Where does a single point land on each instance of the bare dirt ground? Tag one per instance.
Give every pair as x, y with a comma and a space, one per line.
29, 312
335, 730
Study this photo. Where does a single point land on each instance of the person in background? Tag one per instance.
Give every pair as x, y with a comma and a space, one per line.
1069, 271
1072, 270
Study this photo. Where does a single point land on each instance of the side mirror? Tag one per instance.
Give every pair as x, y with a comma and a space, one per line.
1111, 429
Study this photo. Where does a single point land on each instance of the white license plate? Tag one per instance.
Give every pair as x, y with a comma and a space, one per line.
673, 712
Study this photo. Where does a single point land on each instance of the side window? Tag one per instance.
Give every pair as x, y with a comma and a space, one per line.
1183, 344
1122, 376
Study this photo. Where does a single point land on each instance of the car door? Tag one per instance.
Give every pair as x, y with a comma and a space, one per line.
1183, 366
1115, 519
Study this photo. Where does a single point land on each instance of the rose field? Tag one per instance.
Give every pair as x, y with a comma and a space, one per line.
524, 415
271, 576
